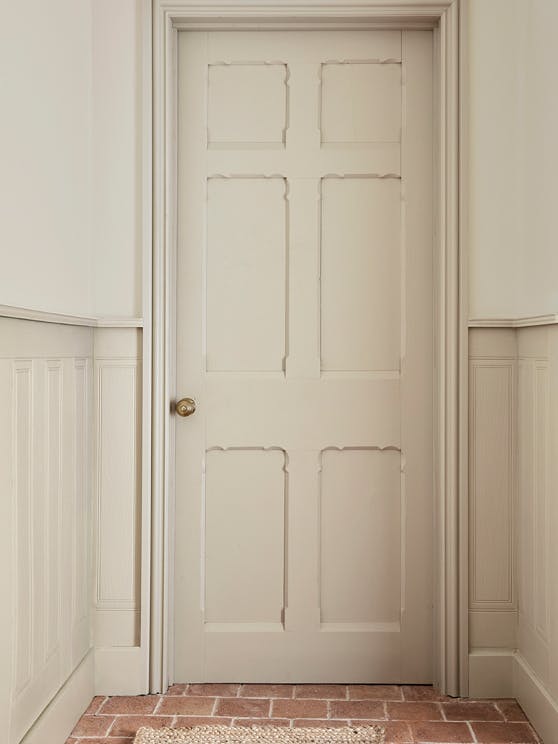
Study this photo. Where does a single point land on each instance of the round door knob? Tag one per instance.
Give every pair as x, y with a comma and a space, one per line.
186, 407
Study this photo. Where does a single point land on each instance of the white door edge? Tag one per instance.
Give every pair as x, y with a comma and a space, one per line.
446, 18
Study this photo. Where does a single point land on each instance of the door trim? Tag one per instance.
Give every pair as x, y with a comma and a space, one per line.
445, 17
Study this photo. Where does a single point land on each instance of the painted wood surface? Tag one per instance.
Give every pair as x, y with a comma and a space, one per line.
304, 480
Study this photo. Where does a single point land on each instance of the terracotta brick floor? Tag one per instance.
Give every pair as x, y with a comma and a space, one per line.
409, 713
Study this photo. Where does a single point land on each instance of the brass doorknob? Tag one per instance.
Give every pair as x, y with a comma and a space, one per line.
186, 407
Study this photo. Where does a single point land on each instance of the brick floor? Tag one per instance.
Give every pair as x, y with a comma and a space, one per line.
411, 714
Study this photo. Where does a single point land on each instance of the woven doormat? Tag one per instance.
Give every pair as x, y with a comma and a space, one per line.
261, 735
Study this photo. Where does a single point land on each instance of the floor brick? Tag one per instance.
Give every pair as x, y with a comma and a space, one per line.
299, 709
213, 690
441, 731
416, 693
189, 721
261, 722
128, 725
321, 692
504, 733
186, 706
93, 726
267, 691
243, 707
140, 705
375, 692
511, 710
177, 689
94, 705
357, 709
464, 711
414, 711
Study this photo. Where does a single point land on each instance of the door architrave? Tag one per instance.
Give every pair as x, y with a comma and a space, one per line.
445, 18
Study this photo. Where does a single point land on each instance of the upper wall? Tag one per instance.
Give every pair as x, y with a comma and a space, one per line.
513, 154
71, 148
512, 120
539, 257
117, 157
493, 173
45, 184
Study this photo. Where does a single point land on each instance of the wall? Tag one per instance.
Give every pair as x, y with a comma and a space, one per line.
513, 478
539, 255
494, 132
45, 518
492, 512
120, 628
117, 190
45, 179
70, 209
512, 192
512, 119
536, 667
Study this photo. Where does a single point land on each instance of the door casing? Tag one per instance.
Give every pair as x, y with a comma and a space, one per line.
446, 19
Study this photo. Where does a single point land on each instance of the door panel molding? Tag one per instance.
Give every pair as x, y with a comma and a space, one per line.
450, 280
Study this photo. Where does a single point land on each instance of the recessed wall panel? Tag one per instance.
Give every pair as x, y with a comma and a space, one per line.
244, 536
360, 102
246, 274
361, 274
247, 104
491, 484
360, 536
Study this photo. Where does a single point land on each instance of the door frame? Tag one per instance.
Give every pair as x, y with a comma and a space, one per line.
445, 18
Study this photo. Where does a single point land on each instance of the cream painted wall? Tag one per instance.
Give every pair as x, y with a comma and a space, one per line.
493, 176
116, 150
45, 126
512, 121
70, 182
539, 257
71, 149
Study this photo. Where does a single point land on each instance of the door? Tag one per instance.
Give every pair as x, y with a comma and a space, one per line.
304, 484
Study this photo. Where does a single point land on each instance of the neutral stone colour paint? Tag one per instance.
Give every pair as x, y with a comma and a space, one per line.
304, 332
52, 258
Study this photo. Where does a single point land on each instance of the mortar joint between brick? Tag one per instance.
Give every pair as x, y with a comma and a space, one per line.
158, 705
111, 725
473, 735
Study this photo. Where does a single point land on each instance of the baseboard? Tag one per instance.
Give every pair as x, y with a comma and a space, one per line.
535, 700
120, 671
58, 719
491, 673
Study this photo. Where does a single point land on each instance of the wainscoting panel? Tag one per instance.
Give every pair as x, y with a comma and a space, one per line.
514, 473
492, 468
45, 388
118, 487
538, 511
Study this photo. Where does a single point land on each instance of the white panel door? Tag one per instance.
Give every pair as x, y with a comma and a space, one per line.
304, 332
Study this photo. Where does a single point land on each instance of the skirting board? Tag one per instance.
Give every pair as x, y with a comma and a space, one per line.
59, 718
119, 671
491, 673
539, 707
